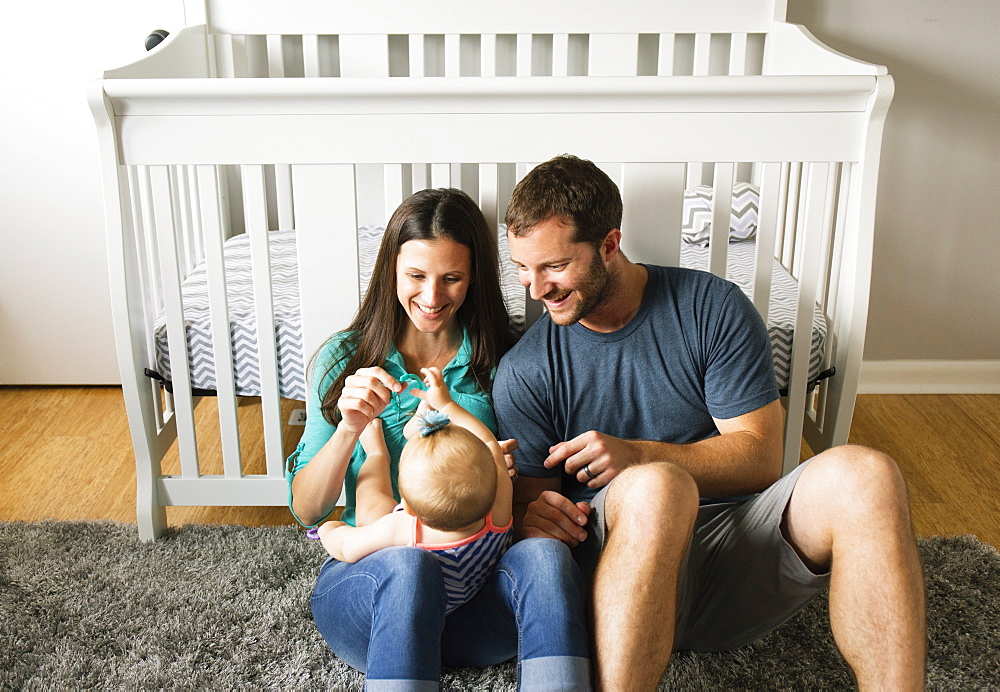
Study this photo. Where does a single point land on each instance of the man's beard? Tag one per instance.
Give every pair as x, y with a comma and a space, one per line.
594, 290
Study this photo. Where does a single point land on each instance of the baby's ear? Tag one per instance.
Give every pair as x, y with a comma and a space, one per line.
406, 508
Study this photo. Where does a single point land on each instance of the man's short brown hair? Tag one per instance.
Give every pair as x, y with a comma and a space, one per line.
571, 188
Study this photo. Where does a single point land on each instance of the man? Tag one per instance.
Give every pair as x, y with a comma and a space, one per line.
644, 393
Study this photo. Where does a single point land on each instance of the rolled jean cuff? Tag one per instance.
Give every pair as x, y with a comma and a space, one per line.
555, 673
401, 686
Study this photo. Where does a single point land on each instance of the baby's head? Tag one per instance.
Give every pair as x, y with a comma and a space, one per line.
447, 478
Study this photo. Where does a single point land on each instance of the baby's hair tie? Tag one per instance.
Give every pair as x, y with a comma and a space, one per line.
431, 422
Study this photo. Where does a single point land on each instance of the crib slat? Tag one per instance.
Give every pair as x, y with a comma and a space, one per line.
702, 54
816, 195
833, 297
665, 55
722, 203
283, 196
488, 193
488, 55
524, 55
215, 232
767, 220
326, 234
560, 55
613, 55
452, 55
364, 55
164, 221
182, 215
416, 50
310, 55
146, 275
792, 224
254, 201
441, 175
275, 56
738, 54
653, 197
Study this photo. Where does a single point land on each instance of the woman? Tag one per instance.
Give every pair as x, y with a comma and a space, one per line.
434, 301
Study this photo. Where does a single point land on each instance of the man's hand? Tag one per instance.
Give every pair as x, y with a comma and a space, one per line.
553, 515
593, 457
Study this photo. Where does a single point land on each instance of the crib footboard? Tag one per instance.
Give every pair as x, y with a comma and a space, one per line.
320, 129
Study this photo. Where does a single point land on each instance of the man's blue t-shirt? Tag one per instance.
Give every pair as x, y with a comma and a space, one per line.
696, 349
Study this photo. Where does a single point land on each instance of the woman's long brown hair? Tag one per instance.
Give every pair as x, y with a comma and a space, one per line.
427, 215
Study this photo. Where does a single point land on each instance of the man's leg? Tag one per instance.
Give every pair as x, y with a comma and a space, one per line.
849, 510
650, 512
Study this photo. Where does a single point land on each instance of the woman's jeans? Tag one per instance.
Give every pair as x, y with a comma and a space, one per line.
385, 616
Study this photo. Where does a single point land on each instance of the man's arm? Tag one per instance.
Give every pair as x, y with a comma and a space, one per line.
744, 458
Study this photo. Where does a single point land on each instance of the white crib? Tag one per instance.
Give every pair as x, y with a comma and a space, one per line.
286, 133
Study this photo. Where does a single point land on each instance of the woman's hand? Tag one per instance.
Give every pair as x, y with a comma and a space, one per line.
366, 394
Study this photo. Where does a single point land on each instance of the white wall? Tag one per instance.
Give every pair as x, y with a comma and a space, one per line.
937, 253
55, 310
936, 274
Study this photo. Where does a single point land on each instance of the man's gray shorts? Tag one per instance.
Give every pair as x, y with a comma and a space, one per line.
739, 579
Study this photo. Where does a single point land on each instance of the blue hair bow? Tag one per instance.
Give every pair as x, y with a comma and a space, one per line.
431, 422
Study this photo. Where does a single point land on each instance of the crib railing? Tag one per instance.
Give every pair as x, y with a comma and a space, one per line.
278, 119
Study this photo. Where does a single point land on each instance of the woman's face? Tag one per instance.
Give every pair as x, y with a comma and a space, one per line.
432, 278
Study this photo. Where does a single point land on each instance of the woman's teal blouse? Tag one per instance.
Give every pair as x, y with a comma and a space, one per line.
457, 376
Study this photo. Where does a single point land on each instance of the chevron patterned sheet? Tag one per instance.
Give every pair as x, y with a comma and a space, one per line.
781, 310
288, 323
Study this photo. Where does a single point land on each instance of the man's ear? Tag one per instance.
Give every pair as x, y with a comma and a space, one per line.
612, 244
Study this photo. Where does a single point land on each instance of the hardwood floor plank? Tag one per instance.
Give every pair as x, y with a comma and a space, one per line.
65, 453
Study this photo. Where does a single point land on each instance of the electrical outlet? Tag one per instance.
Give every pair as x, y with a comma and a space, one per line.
298, 417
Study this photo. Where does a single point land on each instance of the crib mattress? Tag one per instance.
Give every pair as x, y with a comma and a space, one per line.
288, 323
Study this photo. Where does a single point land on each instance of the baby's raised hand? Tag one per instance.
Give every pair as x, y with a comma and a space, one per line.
436, 396
372, 439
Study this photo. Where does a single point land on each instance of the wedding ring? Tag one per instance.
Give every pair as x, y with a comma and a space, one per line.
590, 474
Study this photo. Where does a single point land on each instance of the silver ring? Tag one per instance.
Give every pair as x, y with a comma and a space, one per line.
586, 470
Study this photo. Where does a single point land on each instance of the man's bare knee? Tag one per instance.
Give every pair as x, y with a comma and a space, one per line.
651, 496
855, 478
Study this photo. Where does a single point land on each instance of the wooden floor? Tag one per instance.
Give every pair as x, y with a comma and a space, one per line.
65, 453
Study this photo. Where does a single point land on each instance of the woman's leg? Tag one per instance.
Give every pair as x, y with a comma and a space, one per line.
384, 615
532, 608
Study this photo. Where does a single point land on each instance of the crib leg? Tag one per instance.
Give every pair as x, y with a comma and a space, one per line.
150, 515
151, 521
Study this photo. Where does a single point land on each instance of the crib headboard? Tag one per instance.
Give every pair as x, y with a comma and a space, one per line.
322, 116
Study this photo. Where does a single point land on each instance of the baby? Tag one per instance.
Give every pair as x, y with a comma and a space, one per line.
455, 488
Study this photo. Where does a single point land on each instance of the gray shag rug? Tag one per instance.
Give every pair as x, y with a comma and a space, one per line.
86, 605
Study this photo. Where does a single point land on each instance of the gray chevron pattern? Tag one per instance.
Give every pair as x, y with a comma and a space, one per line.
781, 311
696, 223
288, 323
242, 320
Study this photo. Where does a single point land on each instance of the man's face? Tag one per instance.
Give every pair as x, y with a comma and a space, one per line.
570, 278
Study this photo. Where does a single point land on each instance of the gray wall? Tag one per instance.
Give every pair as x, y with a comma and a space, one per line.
936, 273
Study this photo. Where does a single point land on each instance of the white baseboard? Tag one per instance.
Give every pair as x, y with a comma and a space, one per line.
930, 377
